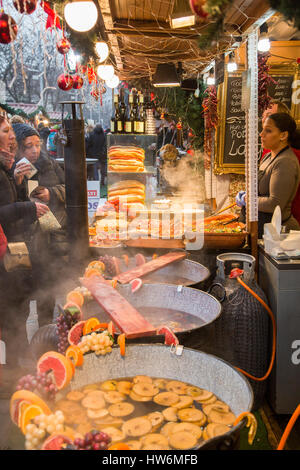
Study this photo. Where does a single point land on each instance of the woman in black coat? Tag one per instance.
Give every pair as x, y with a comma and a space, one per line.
51, 191
17, 217
50, 175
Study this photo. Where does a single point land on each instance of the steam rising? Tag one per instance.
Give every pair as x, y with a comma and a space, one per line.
183, 179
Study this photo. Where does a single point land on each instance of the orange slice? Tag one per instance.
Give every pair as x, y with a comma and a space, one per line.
76, 297
119, 446
97, 265
21, 396
126, 259
74, 354
121, 343
90, 324
28, 414
101, 326
89, 272
111, 329
72, 367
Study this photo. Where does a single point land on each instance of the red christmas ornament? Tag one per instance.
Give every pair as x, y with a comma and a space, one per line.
197, 8
77, 82
63, 46
8, 29
298, 60
65, 82
25, 6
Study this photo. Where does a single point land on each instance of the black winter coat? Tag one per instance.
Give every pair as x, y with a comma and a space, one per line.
17, 213
96, 144
51, 176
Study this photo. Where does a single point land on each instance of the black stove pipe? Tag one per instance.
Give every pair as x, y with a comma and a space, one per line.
76, 188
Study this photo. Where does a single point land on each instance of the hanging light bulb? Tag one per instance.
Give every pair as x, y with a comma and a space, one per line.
82, 15
263, 44
231, 65
105, 72
102, 50
113, 82
211, 77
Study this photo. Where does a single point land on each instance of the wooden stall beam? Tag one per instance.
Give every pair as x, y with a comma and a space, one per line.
109, 25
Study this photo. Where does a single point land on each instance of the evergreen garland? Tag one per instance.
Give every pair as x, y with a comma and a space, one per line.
20, 112
184, 105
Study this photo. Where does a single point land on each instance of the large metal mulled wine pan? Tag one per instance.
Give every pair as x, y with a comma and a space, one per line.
193, 367
189, 310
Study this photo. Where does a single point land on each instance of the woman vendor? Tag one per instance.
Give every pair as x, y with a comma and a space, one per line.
279, 173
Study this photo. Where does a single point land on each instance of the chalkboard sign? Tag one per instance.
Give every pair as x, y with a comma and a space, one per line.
282, 89
231, 132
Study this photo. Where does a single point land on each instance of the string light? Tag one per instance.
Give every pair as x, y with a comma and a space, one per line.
113, 82
211, 78
263, 44
105, 72
231, 65
81, 16
102, 50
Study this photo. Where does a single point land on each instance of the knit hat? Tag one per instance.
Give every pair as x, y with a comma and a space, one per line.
23, 130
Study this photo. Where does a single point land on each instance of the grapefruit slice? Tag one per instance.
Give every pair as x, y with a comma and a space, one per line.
136, 284
22, 397
90, 324
75, 297
140, 259
75, 333
27, 414
72, 308
170, 338
57, 441
59, 364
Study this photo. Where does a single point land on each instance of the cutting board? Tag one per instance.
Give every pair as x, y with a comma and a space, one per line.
153, 265
123, 314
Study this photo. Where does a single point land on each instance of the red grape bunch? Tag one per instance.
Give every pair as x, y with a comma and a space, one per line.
94, 440
64, 323
41, 383
110, 268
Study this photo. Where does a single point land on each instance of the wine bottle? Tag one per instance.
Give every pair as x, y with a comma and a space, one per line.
113, 123
135, 115
140, 125
119, 121
123, 112
129, 122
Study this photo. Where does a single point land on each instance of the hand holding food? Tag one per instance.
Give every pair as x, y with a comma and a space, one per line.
43, 194
41, 209
21, 170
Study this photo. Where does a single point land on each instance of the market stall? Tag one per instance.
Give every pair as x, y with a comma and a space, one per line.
163, 338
